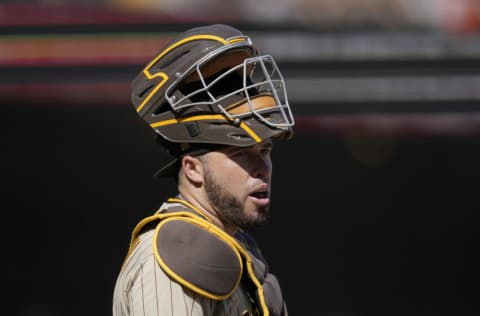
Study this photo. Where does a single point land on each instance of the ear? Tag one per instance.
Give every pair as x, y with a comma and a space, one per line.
193, 169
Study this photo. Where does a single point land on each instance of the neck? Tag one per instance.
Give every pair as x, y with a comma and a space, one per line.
203, 206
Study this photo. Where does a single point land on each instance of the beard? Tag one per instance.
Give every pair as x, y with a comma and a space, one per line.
229, 208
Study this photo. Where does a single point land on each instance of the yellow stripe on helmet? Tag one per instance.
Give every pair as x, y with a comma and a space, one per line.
150, 76
220, 117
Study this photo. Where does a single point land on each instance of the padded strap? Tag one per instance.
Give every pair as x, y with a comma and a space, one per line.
271, 287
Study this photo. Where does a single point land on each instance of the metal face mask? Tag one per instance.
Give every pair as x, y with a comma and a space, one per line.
252, 86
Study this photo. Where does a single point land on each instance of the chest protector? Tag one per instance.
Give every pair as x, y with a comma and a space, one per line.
194, 252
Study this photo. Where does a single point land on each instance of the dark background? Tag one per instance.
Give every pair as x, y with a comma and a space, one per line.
374, 201
345, 237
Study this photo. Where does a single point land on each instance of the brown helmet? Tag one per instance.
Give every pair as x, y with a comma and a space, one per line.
209, 86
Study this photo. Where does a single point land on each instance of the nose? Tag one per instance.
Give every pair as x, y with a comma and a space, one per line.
261, 165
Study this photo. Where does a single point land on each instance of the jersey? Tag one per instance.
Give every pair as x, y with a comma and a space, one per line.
149, 284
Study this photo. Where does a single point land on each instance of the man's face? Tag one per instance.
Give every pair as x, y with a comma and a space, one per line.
237, 183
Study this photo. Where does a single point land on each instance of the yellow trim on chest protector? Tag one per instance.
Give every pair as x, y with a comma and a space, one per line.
169, 223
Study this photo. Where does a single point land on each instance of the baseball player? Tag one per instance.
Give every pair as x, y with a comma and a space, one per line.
216, 106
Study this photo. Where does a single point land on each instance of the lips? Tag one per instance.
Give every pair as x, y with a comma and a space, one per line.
260, 195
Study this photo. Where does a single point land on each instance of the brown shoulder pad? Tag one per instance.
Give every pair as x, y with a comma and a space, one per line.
194, 253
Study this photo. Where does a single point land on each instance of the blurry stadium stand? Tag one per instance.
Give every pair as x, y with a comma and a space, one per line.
397, 80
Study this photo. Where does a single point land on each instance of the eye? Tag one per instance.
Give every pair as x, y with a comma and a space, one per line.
238, 153
266, 151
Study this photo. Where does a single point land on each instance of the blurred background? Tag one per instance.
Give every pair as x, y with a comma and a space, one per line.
374, 200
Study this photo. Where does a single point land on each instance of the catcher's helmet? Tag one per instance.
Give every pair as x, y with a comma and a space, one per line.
210, 86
